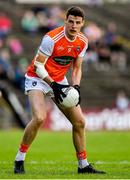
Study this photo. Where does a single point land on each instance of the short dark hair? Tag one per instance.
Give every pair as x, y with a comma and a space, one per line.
75, 11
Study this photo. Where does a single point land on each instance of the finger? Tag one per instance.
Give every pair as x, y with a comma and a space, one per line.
57, 100
60, 98
63, 94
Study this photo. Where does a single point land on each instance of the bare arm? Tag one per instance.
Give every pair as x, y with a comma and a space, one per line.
77, 71
41, 59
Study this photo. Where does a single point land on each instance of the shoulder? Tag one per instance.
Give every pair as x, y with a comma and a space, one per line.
47, 39
82, 38
47, 45
56, 33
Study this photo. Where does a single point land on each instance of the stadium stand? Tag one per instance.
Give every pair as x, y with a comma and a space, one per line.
99, 85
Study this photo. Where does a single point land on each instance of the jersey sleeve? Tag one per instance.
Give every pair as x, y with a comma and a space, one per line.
83, 51
47, 45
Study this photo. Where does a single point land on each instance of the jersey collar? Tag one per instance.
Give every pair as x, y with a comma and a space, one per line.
68, 38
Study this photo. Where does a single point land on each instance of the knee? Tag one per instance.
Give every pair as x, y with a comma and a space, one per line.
80, 124
39, 118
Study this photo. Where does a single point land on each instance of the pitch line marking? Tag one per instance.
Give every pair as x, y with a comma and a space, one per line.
71, 162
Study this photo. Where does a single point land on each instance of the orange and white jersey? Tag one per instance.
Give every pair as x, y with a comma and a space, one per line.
61, 52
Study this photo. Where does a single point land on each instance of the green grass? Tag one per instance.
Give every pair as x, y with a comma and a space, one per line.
52, 155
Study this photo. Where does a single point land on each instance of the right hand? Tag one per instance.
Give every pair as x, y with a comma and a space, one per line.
58, 93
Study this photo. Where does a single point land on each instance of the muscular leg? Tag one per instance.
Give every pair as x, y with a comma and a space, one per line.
37, 104
75, 116
38, 108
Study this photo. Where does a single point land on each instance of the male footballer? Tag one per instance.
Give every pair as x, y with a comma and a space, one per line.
60, 49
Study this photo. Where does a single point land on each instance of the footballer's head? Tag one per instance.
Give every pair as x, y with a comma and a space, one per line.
74, 21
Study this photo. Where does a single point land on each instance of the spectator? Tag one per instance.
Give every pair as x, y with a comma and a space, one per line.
91, 56
55, 11
56, 17
6, 69
122, 101
20, 68
118, 56
110, 35
104, 55
5, 25
93, 32
43, 22
15, 45
30, 23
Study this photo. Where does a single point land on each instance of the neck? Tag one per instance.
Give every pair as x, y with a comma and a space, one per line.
71, 37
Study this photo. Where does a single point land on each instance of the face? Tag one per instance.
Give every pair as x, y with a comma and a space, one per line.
73, 25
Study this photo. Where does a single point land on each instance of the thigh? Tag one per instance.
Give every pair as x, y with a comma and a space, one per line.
74, 114
34, 83
37, 102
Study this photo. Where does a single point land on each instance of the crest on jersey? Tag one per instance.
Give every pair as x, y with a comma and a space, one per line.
78, 48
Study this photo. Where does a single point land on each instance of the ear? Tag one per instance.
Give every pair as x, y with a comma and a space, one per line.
83, 23
65, 21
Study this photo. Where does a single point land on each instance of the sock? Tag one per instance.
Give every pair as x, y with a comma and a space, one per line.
82, 159
21, 154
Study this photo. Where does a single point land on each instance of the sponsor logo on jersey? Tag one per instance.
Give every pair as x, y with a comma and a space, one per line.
63, 60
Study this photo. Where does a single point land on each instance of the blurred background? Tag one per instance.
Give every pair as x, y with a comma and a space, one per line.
105, 84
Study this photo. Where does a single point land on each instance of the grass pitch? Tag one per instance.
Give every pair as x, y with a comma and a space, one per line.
52, 155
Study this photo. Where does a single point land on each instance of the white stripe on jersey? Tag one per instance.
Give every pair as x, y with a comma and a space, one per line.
82, 37
57, 35
86, 42
58, 38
